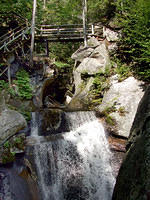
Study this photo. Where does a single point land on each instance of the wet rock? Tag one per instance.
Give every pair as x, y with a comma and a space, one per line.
118, 150
117, 144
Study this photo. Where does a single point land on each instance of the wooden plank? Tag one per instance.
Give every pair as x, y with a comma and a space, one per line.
64, 25
60, 36
64, 29
4, 71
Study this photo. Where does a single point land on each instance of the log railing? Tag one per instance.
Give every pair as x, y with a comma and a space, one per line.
13, 35
68, 31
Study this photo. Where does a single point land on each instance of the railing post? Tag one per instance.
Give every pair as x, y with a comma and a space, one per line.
5, 47
33, 32
92, 29
84, 16
9, 75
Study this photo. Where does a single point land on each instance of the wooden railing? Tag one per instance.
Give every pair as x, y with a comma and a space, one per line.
13, 35
64, 32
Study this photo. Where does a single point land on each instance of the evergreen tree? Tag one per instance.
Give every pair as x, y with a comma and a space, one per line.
135, 45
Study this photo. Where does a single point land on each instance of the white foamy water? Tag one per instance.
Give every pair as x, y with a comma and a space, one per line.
77, 166
34, 124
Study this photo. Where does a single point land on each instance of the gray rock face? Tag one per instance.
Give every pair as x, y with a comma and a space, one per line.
80, 101
97, 60
133, 181
93, 59
82, 53
10, 123
125, 96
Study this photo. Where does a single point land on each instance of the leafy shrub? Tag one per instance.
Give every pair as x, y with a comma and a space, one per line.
3, 85
23, 85
61, 64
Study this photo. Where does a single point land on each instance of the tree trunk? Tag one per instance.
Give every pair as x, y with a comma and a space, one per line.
44, 4
33, 32
84, 16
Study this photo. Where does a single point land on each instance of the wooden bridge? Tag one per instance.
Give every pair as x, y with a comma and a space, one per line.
52, 33
63, 32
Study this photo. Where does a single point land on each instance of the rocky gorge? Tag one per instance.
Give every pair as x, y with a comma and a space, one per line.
121, 105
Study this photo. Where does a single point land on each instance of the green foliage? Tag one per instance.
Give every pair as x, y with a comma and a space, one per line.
100, 10
100, 85
59, 64
20, 89
26, 114
122, 70
7, 144
22, 82
106, 114
62, 51
3, 85
7, 152
60, 12
8, 157
9, 8
70, 11
134, 17
110, 120
122, 111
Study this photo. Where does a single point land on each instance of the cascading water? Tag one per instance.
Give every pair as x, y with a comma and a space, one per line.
77, 165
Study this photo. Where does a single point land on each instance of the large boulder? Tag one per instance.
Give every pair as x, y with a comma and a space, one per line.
124, 97
10, 123
133, 181
97, 60
84, 52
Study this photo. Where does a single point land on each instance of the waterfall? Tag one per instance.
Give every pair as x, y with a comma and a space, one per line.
34, 124
77, 165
